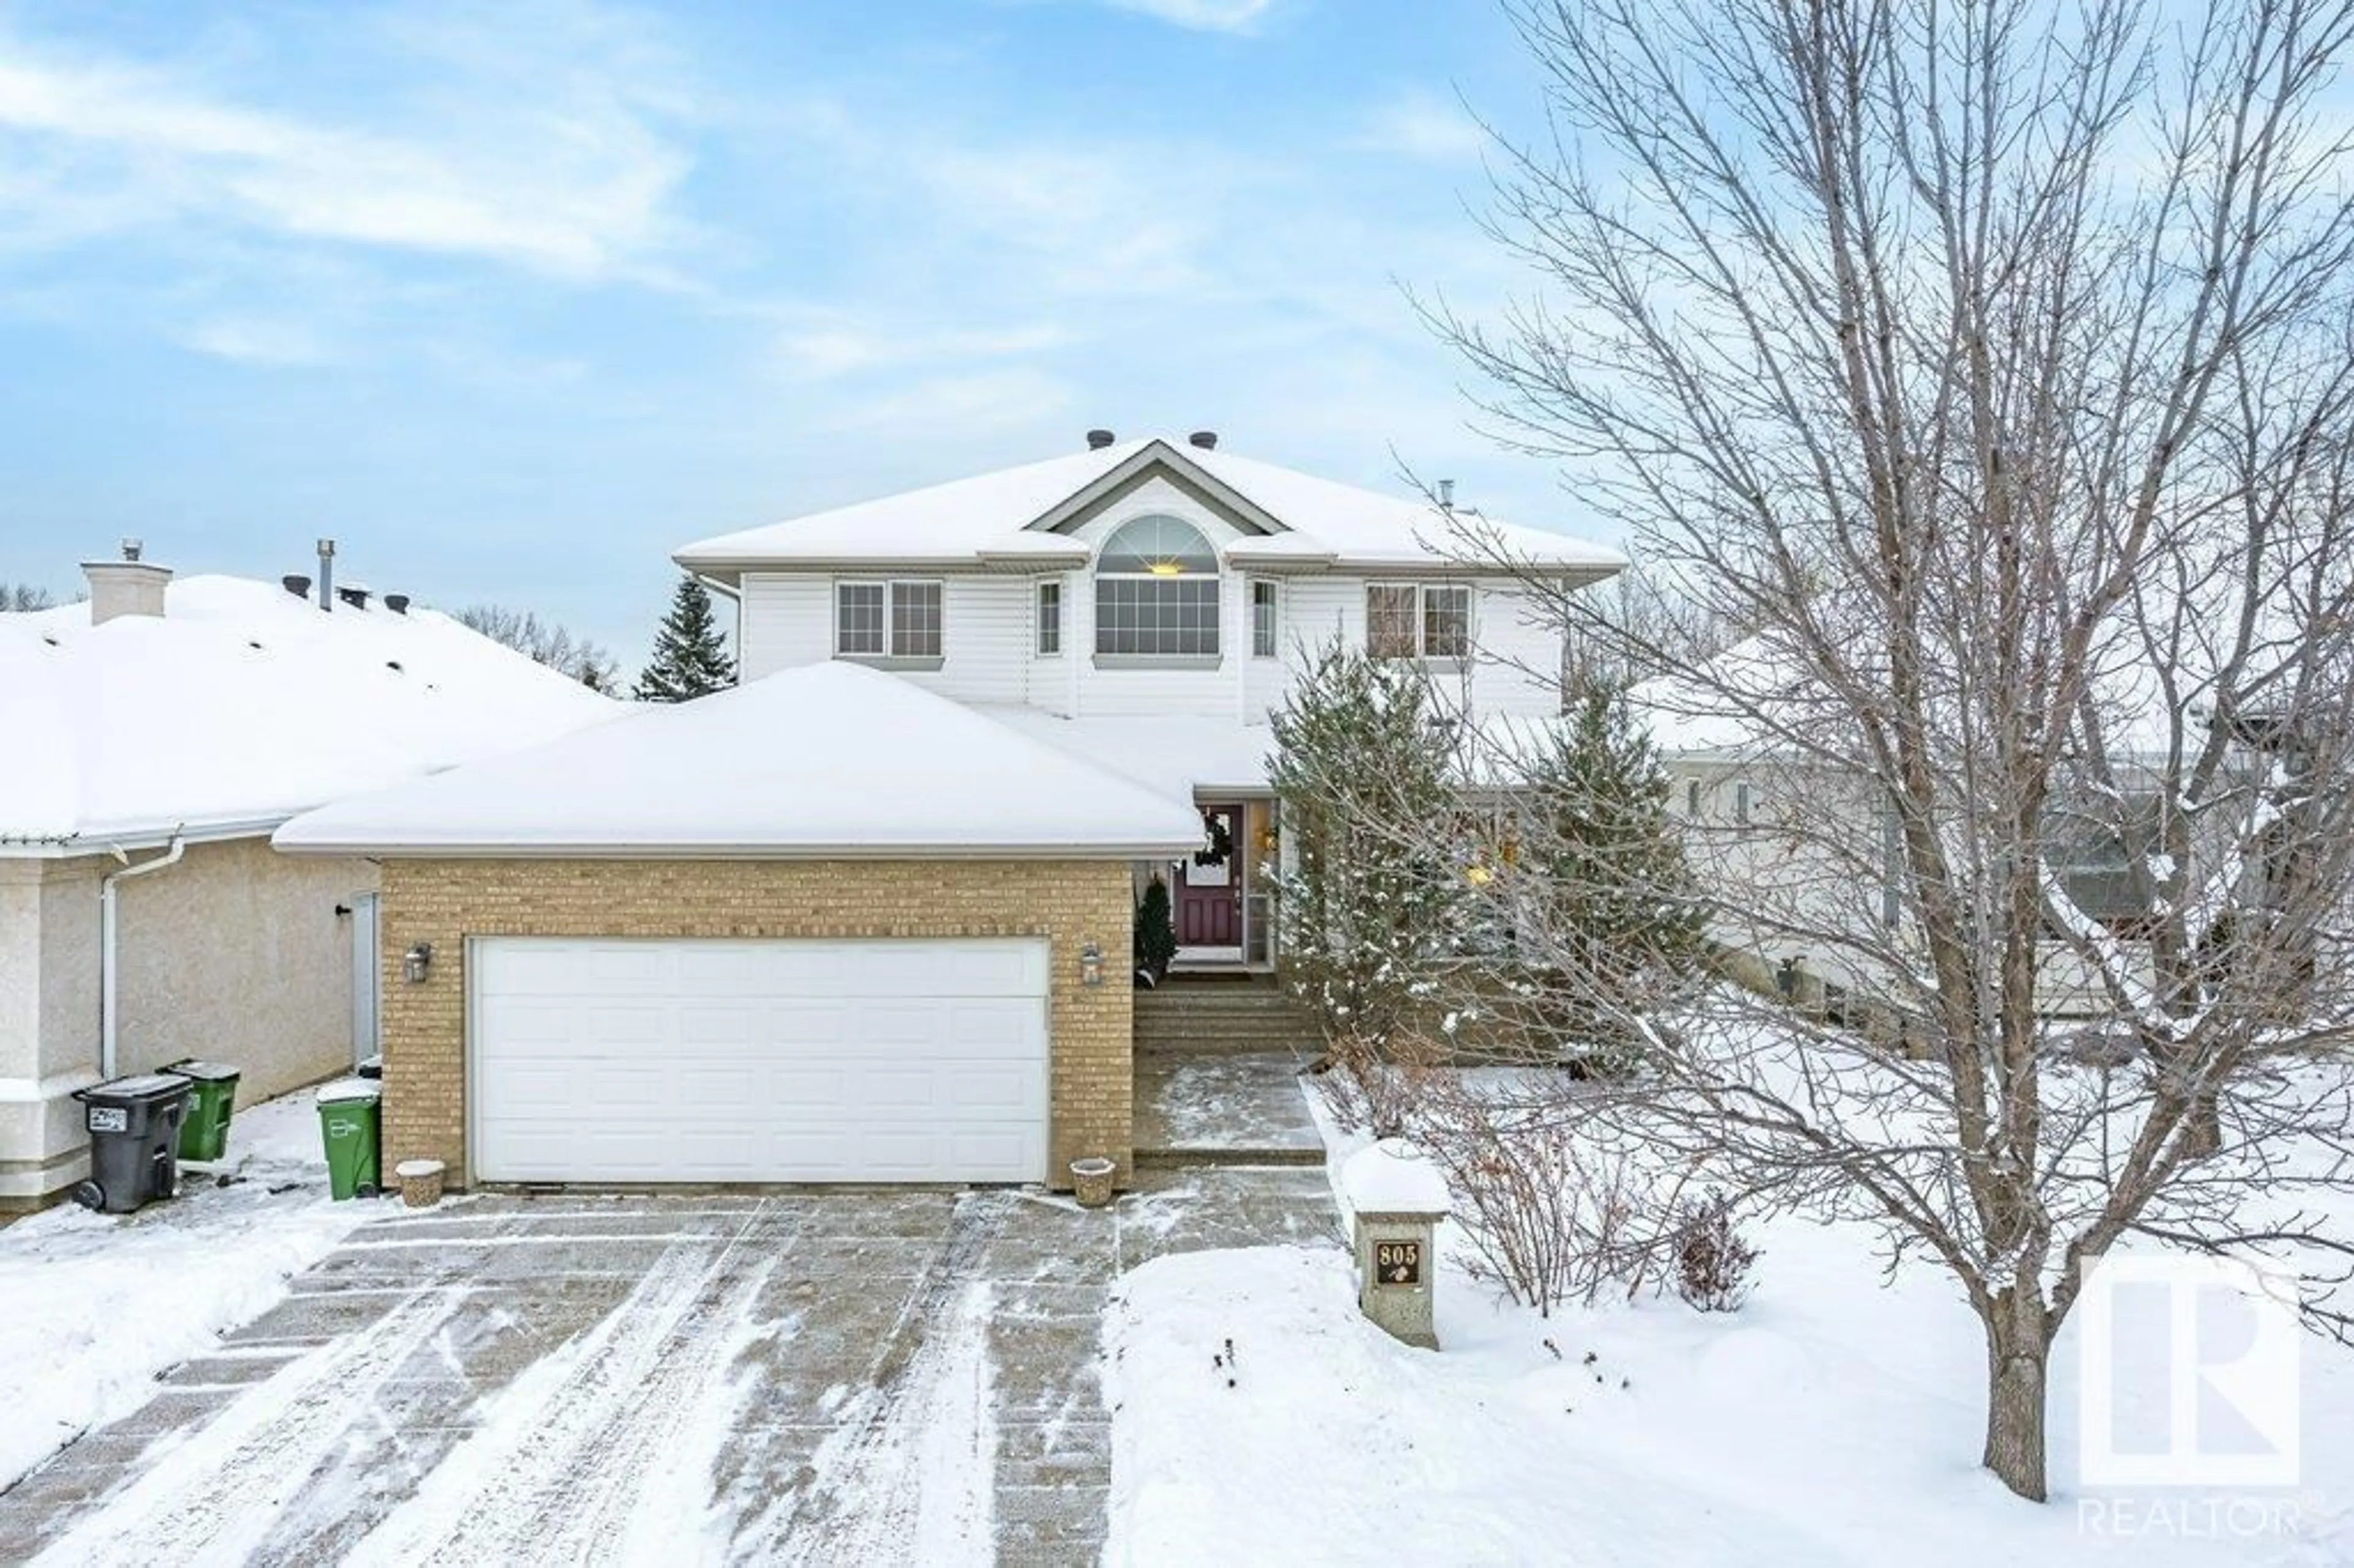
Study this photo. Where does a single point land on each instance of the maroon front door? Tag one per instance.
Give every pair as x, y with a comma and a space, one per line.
1209, 883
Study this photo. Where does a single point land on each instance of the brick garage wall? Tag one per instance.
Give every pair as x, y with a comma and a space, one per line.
443, 901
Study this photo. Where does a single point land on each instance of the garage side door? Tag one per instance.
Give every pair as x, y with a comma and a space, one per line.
631, 1061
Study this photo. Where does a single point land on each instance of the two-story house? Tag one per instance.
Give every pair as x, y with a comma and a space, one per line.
1146, 604
867, 916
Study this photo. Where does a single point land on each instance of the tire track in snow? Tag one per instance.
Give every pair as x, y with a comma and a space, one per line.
213, 1498
911, 1475
579, 1454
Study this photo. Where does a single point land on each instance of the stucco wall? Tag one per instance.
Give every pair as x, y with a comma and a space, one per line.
235, 953
1070, 903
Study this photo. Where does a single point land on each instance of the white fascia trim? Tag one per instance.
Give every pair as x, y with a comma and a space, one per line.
78, 845
423, 850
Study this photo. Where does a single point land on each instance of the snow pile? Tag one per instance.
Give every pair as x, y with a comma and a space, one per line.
98, 1306
243, 704
1261, 1419
1392, 1177
831, 757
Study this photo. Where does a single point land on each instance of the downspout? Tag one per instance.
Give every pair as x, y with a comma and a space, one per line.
108, 1015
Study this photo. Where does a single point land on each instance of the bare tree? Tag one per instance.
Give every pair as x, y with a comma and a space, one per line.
1991, 365
26, 596
545, 642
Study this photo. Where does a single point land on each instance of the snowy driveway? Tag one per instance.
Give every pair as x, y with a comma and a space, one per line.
834, 1378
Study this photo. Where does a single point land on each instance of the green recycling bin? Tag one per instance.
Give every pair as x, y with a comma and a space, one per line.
348, 1122
205, 1134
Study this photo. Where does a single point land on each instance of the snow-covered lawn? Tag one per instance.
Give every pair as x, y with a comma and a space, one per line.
93, 1306
1834, 1420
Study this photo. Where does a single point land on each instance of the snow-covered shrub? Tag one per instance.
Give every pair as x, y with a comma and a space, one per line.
1712, 1259
1550, 1214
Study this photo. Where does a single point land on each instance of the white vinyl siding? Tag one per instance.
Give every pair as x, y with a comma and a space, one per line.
989, 638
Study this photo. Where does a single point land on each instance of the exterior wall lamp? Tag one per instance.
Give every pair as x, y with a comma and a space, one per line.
1091, 964
416, 962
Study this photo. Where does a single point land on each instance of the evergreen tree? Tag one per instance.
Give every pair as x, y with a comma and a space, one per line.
690, 656
1156, 933
1373, 892
1600, 870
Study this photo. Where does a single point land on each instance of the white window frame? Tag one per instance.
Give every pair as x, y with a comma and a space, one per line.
1422, 592
1047, 624
894, 655
1106, 625
1272, 646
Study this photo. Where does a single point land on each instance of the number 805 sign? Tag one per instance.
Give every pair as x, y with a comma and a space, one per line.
1397, 1262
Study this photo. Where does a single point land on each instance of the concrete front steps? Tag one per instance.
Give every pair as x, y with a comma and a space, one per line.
1191, 1016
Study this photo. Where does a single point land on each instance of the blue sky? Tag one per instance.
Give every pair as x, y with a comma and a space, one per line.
513, 298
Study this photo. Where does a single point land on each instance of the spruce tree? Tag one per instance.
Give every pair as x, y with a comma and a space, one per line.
690, 656
1604, 868
1372, 892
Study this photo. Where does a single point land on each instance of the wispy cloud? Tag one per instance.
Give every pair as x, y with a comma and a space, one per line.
960, 406
578, 185
849, 347
1422, 126
257, 340
1201, 16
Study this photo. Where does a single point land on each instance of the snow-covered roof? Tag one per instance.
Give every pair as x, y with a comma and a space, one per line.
832, 759
243, 704
1171, 756
1005, 518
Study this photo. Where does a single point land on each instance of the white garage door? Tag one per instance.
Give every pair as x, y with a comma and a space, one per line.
759, 1061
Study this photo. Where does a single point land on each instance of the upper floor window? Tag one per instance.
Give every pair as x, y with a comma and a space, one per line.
886, 621
1419, 620
1263, 622
1050, 619
1157, 592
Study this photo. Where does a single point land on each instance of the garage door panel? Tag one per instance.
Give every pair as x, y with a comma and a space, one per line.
814, 1023
760, 1061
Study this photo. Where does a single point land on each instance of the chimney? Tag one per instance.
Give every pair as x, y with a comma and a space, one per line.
1205, 440
327, 576
396, 602
1099, 440
296, 584
1447, 495
127, 586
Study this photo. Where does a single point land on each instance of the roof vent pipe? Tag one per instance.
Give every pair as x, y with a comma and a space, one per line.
1205, 440
1447, 494
353, 595
296, 584
1099, 440
327, 576
396, 602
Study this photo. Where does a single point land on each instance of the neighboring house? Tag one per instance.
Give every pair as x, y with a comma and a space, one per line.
825, 926
1807, 863
1145, 605
154, 737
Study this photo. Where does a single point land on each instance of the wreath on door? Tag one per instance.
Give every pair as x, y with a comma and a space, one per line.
1221, 840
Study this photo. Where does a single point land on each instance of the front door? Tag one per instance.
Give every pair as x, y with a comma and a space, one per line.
1209, 883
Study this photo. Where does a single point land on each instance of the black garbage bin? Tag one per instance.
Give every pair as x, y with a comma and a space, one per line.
135, 1141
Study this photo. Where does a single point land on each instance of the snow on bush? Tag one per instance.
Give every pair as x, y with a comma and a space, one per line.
1712, 1258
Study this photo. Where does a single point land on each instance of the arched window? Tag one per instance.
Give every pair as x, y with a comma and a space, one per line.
1157, 592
